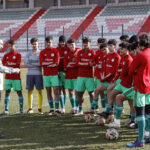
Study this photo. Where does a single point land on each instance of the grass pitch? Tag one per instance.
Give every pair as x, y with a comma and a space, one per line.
56, 133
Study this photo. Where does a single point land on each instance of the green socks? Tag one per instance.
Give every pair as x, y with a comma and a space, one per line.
21, 102
7, 99
51, 104
56, 105
94, 103
108, 108
72, 101
133, 116
118, 111
141, 127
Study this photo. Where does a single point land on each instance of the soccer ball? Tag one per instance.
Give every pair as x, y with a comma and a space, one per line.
88, 118
100, 121
112, 134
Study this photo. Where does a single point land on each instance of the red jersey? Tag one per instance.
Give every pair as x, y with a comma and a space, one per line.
49, 60
84, 61
125, 63
140, 69
98, 61
12, 59
63, 51
70, 66
98, 55
109, 67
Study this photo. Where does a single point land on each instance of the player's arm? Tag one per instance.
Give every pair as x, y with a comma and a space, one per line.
134, 65
4, 69
114, 69
27, 61
55, 63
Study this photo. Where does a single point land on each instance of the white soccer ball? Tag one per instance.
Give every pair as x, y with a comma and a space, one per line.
112, 134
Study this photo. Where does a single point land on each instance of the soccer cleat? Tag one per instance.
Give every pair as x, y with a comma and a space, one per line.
63, 111
136, 144
73, 111
96, 111
2, 136
147, 140
21, 112
90, 111
113, 125
40, 111
51, 112
5, 112
132, 125
30, 111
57, 113
104, 114
79, 113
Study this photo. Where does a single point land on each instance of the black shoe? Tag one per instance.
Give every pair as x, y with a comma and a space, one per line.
2, 136
104, 114
51, 112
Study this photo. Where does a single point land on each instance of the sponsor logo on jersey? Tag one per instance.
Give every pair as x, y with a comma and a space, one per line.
89, 54
14, 57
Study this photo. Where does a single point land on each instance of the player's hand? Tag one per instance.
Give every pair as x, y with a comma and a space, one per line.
15, 70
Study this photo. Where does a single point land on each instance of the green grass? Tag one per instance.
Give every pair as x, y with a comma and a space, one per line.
57, 133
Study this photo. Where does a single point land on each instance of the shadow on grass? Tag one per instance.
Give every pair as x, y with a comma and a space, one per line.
51, 132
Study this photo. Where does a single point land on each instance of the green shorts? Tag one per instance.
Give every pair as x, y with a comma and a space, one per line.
117, 81
130, 93
70, 83
85, 83
13, 84
121, 88
97, 82
147, 99
62, 76
139, 99
105, 84
50, 81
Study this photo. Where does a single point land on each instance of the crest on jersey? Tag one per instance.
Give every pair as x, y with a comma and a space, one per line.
65, 52
14, 57
123, 63
81, 54
52, 54
89, 54
113, 60
99, 57
45, 54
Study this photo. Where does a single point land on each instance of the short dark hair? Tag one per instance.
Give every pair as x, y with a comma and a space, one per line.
144, 40
49, 38
62, 38
70, 41
124, 45
33, 40
86, 39
133, 39
133, 46
103, 45
112, 41
12, 42
124, 37
101, 40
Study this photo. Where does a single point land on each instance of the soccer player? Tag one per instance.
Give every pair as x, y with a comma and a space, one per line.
125, 82
140, 70
34, 75
71, 74
4, 69
12, 81
85, 81
49, 60
63, 50
110, 64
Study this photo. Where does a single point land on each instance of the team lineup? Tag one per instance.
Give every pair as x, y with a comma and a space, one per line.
108, 75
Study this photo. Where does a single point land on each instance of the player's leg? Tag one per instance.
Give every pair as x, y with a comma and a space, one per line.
29, 87
139, 103
80, 88
39, 87
16, 84
8, 86
147, 115
55, 84
47, 85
